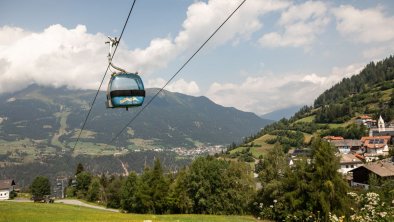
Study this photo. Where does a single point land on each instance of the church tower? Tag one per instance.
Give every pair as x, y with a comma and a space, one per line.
381, 126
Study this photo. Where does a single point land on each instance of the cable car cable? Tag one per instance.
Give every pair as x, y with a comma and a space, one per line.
102, 80
176, 73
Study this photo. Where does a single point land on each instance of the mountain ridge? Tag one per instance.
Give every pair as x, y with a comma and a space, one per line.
52, 118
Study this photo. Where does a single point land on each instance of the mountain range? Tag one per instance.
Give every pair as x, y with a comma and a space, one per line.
50, 119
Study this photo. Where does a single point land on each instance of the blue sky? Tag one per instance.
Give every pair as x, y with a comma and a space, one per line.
270, 55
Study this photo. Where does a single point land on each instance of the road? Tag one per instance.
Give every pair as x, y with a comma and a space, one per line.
72, 202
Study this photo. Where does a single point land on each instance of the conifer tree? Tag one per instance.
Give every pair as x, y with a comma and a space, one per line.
128, 193
328, 188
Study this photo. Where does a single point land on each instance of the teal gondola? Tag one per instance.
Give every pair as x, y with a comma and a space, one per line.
125, 90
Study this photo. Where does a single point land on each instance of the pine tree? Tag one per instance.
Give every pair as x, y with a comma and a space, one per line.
128, 193
93, 193
328, 189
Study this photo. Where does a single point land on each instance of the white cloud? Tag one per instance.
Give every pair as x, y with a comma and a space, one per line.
12, 34
181, 86
366, 26
301, 23
59, 56
202, 19
267, 93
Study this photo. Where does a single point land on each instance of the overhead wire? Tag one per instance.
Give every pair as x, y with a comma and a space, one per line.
102, 80
176, 73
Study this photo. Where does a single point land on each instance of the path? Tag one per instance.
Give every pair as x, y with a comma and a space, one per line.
80, 203
70, 202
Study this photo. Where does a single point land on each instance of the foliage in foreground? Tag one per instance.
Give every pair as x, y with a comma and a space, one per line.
207, 186
313, 190
308, 190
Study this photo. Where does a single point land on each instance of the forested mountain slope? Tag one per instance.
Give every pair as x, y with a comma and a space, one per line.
334, 112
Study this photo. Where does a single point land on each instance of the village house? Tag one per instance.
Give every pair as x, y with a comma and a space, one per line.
366, 121
383, 170
375, 146
346, 145
348, 162
331, 138
6, 187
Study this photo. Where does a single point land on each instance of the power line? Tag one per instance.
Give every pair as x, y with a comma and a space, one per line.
176, 73
105, 74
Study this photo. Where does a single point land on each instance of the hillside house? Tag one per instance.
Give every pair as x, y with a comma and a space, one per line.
346, 146
331, 138
366, 121
6, 187
375, 146
348, 162
382, 170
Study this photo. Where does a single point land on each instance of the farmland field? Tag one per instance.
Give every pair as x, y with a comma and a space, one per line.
40, 212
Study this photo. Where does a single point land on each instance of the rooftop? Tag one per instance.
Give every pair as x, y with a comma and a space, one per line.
364, 117
346, 142
349, 158
364, 138
6, 184
333, 137
383, 169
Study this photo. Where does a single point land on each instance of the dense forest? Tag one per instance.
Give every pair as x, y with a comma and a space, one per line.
352, 95
372, 74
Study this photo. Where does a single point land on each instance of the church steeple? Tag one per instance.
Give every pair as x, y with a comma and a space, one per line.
381, 125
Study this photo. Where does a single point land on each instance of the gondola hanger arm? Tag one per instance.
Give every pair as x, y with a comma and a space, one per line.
113, 42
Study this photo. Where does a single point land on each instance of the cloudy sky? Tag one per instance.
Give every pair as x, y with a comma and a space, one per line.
272, 54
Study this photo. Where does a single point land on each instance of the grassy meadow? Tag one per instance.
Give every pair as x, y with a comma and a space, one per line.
40, 212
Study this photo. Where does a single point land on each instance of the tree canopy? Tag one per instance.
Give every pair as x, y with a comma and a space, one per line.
40, 186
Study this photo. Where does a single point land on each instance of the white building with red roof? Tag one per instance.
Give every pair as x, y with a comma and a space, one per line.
375, 146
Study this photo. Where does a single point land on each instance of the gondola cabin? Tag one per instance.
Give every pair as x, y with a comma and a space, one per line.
125, 90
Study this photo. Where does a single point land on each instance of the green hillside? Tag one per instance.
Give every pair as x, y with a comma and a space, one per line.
334, 112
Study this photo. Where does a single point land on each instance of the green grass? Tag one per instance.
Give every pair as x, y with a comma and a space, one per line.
260, 146
387, 94
39, 212
308, 119
98, 149
344, 125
